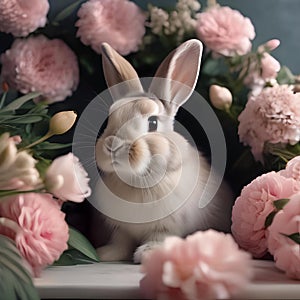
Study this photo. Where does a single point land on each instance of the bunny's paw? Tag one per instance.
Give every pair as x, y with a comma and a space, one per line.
141, 250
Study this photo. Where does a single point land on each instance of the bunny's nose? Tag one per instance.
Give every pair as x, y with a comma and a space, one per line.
113, 143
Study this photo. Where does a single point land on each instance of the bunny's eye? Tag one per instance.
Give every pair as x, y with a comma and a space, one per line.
152, 123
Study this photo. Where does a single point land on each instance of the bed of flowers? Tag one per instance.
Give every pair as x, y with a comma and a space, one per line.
46, 68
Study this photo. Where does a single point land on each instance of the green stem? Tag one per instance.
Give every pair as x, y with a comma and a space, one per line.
231, 115
284, 154
6, 193
42, 139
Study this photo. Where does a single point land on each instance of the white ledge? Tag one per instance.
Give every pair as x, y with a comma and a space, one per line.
121, 281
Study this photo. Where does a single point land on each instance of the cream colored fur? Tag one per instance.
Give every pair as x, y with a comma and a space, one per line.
137, 156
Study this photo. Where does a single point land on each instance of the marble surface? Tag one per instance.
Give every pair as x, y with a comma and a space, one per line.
121, 281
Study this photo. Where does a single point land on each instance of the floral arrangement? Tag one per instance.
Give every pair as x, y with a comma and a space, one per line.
195, 268
46, 62
33, 189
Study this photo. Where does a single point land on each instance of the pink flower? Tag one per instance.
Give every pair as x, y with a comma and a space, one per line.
225, 31
292, 169
253, 206
259, 73
269, 67
37, 226
263, 70
67, 179
22, 17
40, 64
206, 265
269, 46
276, 111
286, 252
117, 22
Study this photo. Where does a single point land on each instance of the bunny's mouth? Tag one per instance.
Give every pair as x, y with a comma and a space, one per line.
115, 163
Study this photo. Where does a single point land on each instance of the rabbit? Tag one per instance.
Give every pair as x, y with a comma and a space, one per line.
142, 159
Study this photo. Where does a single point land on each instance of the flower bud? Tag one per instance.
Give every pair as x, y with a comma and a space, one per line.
220, 97
211, 3
62, 122
268, 46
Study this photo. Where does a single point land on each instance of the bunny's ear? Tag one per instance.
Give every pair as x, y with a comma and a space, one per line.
180, 70
118, 70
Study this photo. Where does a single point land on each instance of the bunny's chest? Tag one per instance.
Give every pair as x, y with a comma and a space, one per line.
144, 231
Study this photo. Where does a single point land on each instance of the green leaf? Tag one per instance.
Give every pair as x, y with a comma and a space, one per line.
72, 257
26, 119
42, 165
294, 237
280, 203
28, 129
285, 76
15, 280
87, 65
2, 99
269, 219
52, 146
66, 12
80, 243
20, 101
5, 193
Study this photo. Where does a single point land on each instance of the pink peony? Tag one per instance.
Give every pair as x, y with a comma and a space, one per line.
205, 265
117, 22
225, 31
37, 226
292, 169
276, 111
286, 252
253, 206
40, 64
22, 17
69, 178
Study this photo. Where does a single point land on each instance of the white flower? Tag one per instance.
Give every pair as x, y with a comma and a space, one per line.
159, 19
66, 179
17, 168
180, 21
